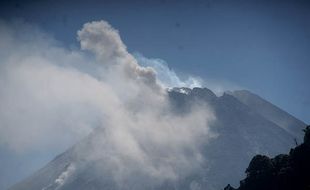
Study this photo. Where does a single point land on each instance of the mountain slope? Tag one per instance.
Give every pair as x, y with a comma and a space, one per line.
242, 132
271, 112
283, 172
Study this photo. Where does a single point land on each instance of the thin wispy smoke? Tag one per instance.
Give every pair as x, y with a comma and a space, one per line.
48, 100
166, 76
61, 179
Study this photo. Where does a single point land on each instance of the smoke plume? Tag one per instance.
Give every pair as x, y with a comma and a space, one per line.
51, 97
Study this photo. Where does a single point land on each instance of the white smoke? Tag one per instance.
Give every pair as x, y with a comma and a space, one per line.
64, 175
61, 179
48, 100
166, 76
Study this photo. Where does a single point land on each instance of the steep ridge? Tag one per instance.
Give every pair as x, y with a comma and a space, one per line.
242, 133
271, 112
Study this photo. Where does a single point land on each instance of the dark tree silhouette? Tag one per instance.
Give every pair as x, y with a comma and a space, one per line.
283, 172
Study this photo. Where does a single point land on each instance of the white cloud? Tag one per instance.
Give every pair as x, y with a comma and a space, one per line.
48, 101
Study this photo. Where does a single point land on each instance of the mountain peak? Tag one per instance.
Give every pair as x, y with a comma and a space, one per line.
241, 132
203, 93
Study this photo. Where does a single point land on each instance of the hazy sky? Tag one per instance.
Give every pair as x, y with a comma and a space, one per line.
263, 46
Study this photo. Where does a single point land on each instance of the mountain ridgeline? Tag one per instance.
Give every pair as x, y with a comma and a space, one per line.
245, 125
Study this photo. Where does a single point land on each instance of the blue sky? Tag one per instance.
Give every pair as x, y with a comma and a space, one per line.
263, 46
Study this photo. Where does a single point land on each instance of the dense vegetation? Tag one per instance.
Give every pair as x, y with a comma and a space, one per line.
283, 172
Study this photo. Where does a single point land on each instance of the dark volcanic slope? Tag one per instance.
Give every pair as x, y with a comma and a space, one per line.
271, 112
283, 172
243, 131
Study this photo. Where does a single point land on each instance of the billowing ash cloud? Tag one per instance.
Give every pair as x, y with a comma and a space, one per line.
51, 96
105, 42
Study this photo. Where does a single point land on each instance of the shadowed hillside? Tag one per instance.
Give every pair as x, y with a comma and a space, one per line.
283, 172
